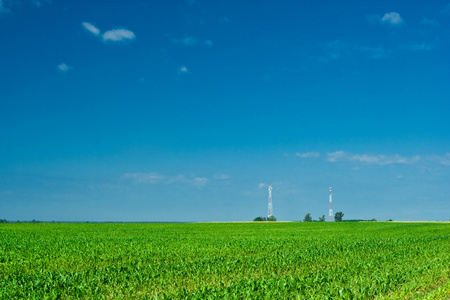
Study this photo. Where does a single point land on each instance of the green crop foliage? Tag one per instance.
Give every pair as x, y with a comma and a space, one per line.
270, 260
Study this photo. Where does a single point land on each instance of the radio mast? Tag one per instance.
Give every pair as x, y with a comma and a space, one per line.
270, 210
331, 209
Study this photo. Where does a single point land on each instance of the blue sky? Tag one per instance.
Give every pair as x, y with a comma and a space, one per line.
188, 110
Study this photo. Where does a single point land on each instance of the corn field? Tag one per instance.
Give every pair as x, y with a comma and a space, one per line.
269, 260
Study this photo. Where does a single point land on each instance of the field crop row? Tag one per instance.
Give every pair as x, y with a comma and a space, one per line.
225, 260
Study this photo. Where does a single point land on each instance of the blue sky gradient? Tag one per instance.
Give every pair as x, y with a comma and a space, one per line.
188, 110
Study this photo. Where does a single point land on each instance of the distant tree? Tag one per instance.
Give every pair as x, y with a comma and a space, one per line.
322, 218
272, 219
258, 219
3, 221
338, 216
373, 220
307, 218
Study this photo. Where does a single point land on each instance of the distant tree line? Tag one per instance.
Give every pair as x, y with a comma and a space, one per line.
337, 217
308, 218
18, 221
262, 219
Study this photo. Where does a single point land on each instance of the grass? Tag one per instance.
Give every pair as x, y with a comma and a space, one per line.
225, 260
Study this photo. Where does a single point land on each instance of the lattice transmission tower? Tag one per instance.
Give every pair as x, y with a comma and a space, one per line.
331, 218
270, 210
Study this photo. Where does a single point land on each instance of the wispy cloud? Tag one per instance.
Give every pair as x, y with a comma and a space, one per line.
191, 41
262, 185
308, 155
335, 49
224, 20
177, 179
187, 41
430, 22
392, 18
221, 176
373, 52
158, 178
116, 35
200, 181
445, 160
91, 28
446, 9
375, 159
63, 67
7, 5
441, 159
151, 177
421, 47
3, 7
340, 49
37, 3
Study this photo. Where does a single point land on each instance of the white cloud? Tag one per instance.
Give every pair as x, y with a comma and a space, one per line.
200, 181
183, 70
446, 159
189, 41
335, 156
375, 159
63, 67
443, 160
262, 185
392, 18
116, 35
157, 178
151, 177
178, 179
221, 176
91, 28
382, 160
308, 155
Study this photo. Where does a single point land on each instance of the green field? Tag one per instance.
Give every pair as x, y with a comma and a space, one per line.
270, 260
